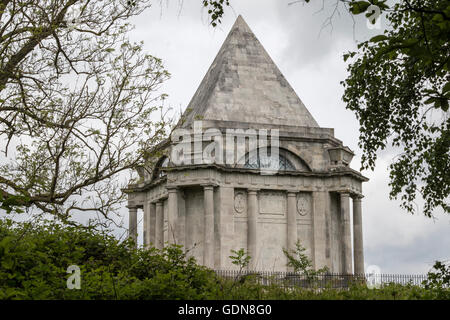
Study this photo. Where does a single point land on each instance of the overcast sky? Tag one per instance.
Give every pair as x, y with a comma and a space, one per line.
310, 57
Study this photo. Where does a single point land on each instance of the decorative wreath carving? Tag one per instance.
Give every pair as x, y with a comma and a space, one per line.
302, 205
240, 202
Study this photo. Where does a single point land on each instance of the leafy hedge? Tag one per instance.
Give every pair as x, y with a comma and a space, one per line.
34, 259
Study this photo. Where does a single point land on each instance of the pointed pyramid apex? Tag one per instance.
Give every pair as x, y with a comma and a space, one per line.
241, 25
240, 22
244, 84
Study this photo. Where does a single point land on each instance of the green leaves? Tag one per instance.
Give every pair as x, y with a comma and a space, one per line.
349, 55
34, 259
439, 280
300, 262
13, 203
76, 108
398, 78
357, 7
439, 103
240, 258
215, 9
379, 38
446, 89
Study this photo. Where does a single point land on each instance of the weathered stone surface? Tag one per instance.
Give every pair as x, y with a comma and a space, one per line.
244, 84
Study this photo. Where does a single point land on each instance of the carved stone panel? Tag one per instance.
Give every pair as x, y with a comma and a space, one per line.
304, 204
272, 202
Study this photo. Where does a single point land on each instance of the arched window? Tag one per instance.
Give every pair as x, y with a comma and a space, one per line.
162, 163
165, 163
265, 161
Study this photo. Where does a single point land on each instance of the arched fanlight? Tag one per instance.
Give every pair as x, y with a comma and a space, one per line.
265, 161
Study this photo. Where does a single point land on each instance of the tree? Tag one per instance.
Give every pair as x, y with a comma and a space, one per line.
300, 263
399, 88
240, 259
438, 280
77, 103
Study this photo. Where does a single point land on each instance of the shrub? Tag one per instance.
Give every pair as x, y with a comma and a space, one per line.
438, 280
34, 259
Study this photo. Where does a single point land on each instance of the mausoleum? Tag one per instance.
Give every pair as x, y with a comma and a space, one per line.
249, 167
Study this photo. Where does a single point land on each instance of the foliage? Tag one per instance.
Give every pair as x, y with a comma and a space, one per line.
240, 258
300, 262
216, 10
439, 280
34, 259
78, 104
399, 88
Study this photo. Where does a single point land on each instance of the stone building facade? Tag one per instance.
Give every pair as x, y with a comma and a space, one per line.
247, 200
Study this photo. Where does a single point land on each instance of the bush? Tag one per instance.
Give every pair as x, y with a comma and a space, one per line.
34, 261
439, 280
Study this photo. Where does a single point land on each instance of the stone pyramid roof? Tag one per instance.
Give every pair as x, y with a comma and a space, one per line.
244, 84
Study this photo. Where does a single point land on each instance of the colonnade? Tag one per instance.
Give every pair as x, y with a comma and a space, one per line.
154, 225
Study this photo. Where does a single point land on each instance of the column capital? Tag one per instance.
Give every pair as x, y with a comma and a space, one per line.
172, 189
159, 203
253, 190
132, 208
357, 197
208, 186
292, 193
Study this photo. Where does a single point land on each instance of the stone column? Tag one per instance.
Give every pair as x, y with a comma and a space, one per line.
291, 219
172, 216
252, 236
152, 228
146, 225
346, 233
358, 251
181, 221
321, 233
159, 226
208, 243
132, 223
225, 227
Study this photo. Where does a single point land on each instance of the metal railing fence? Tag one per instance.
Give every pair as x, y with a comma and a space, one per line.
329, 280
